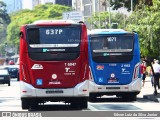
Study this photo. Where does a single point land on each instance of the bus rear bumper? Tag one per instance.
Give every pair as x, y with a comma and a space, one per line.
80, 90
133, 87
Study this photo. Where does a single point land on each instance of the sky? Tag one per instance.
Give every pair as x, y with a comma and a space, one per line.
27, 4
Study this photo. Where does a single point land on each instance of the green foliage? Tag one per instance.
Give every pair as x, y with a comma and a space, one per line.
4, 17
41, 12
146, 22
101, 20
127, 4
4, 21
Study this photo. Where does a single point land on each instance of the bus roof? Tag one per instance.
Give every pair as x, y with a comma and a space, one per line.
107, 31
44, 22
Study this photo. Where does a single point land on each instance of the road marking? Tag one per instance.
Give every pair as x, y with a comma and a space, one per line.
92, 108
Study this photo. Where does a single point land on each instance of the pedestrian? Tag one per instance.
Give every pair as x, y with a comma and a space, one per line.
156, 70
151, 73
143, 72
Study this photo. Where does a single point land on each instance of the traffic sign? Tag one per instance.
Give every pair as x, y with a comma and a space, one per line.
73, 15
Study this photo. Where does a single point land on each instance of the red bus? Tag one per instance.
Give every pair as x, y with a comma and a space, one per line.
54, 63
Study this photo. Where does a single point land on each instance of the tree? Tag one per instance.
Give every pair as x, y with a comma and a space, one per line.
146, 22
4, 21
101, 20
127, 3
4, 17
149, 2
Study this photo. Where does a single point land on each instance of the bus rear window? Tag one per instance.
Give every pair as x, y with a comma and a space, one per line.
54, 37
112, 48
112, 43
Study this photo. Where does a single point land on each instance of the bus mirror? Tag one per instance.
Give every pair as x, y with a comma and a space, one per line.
21, 34
81, 22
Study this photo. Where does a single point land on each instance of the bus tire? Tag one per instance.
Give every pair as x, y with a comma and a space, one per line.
34, 105
84, 103
92, 98
80, 103
75, 104
129, 98
126, 98
133, 97
24, 104
9, 84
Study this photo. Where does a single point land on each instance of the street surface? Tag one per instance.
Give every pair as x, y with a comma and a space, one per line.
10, 101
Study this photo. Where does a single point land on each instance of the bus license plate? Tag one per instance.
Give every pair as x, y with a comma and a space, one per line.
1, 78
54, 91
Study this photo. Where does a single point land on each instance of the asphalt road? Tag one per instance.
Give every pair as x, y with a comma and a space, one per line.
10, 101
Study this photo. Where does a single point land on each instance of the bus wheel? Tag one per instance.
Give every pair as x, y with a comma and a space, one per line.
80, 103
34, 105
133, 97
84, 103
129, 97
92, 98
25, 104
75, 104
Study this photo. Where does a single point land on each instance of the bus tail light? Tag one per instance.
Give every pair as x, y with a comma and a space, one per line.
90, 74
24, 91
126, 87
84, 90
24, 74
24, 77
136, 72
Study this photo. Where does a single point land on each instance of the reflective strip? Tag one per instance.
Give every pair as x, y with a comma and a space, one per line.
53, 45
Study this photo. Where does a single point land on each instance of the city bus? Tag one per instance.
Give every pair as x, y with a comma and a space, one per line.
54, 64
114, 58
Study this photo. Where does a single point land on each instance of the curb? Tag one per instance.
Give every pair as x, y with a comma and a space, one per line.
155, 98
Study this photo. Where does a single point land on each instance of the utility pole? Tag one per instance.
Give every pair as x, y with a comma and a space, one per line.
107, 4
123, 17
5, 46
99, 14
109, 14
91, 12
131, 6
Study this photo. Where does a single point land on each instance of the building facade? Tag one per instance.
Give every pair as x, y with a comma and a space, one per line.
13, 5
30, 4
36, 2
89, 8
47, 1
64, 2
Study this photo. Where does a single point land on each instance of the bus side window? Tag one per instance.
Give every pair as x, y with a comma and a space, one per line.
33, 36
